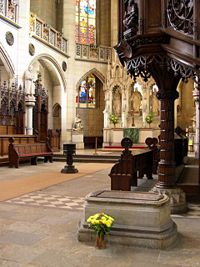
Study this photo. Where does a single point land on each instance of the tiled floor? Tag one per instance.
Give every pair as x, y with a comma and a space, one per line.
39, 229
76, 203
51, 201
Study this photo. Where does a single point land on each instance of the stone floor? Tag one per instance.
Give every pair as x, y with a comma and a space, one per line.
39, 229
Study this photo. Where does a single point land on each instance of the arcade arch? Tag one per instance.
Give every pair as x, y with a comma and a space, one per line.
91, 110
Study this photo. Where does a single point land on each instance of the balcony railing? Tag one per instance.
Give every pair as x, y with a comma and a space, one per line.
47, 33
9, 9
99, 54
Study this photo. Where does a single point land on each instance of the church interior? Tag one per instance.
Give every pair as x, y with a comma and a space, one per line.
111, 89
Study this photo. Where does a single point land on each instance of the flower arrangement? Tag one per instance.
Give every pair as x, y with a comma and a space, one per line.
114, 119
101, 223
149, 118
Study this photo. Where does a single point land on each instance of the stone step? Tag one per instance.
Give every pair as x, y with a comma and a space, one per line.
88, 158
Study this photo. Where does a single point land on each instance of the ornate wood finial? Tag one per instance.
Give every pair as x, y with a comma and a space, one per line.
131, 17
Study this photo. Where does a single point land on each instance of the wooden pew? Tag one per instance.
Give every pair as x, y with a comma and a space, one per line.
17, 152
54, 139
152, 143
19, 139
125, 173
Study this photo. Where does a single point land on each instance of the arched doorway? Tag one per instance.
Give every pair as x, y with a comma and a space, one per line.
56, 117
11, 97
90, 106
50, 87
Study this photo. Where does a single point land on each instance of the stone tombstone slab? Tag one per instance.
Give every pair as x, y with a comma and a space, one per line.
141, 218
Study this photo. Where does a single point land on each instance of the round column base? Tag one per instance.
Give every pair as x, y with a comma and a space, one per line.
177, 198
69, 169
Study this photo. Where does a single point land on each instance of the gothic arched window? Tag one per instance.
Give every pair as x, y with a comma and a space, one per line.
86, 97
86, 21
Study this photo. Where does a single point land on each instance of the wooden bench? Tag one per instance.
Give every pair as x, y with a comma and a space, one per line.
17, 152
125, 173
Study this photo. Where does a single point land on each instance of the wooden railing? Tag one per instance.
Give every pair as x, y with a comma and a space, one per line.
99, 54
9, 9
129, 168
47, 33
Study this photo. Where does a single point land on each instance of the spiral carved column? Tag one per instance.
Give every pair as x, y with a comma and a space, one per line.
166, 169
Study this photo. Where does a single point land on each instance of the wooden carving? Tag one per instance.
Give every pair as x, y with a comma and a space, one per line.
130, 20
180, 15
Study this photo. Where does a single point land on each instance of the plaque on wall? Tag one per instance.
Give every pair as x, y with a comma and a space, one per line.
31, 49
9, 38
64, 66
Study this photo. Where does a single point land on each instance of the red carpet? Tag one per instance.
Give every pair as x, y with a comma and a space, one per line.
120, 147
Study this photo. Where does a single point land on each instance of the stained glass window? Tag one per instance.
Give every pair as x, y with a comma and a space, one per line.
86, 97
86, 21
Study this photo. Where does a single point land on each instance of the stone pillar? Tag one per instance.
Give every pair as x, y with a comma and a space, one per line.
30, 103
107, 111
196, 140
124, 109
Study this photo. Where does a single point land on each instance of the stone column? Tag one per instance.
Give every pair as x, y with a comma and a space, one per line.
124, 109
107, 111
196, 100
30, 103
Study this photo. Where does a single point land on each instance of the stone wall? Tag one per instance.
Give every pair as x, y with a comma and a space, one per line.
186, 108
46, 10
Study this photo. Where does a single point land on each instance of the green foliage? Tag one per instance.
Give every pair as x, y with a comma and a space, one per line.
101, 223
149, 118
113, 118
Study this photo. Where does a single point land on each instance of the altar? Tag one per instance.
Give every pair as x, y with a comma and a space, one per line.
112, 136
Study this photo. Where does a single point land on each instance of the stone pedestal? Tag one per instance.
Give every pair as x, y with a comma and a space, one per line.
30, 103
141, 219
177, 199
77, 138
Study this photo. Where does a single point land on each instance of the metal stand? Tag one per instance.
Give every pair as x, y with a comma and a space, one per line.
95, 151
69, 150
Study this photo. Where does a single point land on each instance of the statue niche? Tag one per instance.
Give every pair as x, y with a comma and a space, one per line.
135, 104
117, 101
28, 81
154, 104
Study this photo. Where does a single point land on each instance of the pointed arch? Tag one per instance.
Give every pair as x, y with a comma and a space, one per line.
54, 65
56, 110
95, 72
116, 84
7, 62
57, 113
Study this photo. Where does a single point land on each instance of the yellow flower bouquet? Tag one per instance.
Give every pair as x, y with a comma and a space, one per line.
101, 223
113, 118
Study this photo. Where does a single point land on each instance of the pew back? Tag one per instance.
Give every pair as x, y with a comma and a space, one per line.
18, 152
